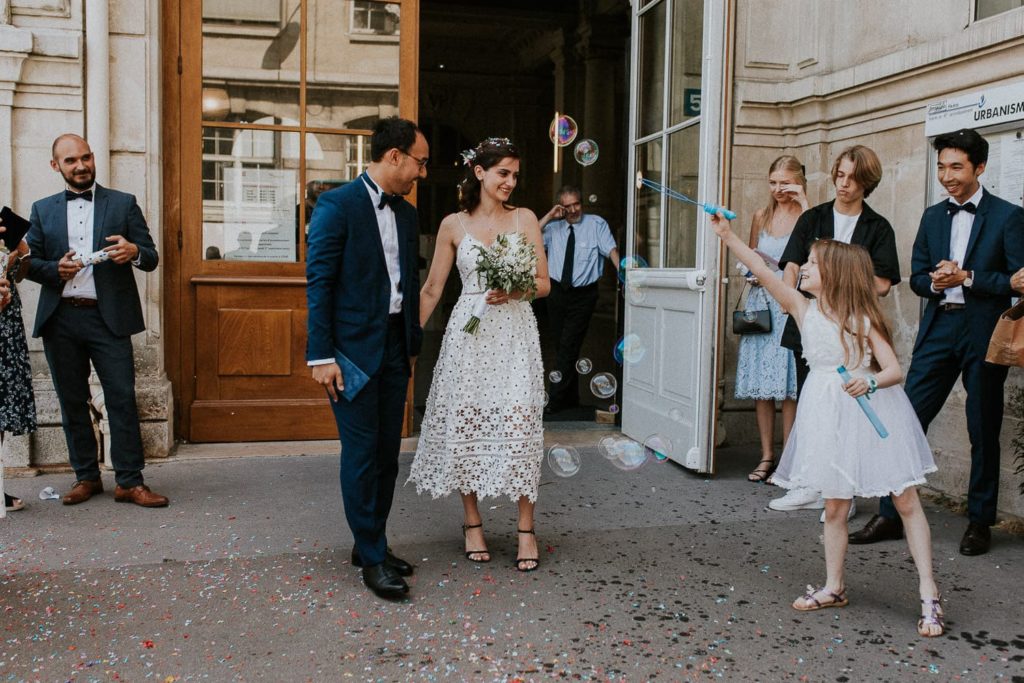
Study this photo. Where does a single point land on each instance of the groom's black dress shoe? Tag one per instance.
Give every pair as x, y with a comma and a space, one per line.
384, 581
877, 529
976, 540
400, 566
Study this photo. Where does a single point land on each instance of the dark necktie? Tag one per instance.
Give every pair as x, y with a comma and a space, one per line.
72, 196
570, 256
392, 200
953, 208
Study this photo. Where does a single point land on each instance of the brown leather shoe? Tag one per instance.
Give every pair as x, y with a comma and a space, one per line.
82, 491
140, 495
877, 529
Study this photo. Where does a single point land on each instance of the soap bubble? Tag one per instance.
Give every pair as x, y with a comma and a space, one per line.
613, 408
630, 349
546, 399
604, 385
607, 446
658, 447
49, 493
563, 130
628, 455
564, 460
584, 366
592, 199
636, 294
555, 377
586, 152
675, 415
630, 263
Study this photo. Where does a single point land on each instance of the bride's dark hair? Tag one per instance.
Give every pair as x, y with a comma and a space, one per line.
486, 154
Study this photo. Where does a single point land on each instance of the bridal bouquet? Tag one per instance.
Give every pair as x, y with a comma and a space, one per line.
506, 265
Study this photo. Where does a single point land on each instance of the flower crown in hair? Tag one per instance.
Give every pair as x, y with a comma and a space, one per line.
470, 155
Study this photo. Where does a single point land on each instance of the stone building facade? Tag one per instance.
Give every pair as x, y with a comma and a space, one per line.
810, 78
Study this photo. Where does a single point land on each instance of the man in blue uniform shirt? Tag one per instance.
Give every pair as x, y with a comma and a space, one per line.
576, 244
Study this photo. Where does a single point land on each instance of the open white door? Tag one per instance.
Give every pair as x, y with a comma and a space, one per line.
671, 309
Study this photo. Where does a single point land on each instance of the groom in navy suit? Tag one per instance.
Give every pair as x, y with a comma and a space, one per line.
87, 313
966, 250
364, 333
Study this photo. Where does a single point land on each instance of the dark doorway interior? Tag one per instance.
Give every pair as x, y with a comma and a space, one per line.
493, 69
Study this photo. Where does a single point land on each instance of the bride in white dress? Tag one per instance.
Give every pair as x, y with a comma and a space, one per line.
482, 432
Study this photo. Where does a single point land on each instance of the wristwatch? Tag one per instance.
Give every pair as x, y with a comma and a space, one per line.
969, 280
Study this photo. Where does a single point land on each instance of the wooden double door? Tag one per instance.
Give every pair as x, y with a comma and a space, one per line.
266, 104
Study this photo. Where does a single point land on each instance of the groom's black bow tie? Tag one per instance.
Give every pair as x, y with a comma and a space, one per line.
952, 207
72, 196
392, 200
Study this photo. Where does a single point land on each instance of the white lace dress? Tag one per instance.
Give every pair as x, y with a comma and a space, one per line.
833, 447
483, 429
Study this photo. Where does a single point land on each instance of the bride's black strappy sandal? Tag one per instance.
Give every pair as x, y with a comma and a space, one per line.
521, 560
470, 553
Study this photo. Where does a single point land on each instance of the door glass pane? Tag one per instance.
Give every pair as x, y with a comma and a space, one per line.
251, 61
351, 62
250, 194
681, 231
651, 81
647, 233
332, 161
687, 33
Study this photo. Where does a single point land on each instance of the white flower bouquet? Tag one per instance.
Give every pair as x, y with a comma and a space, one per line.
508, 265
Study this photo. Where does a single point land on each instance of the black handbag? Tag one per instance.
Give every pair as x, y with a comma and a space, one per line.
750, 322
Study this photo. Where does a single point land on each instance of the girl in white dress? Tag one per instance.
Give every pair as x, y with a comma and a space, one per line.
482, 431
833, 447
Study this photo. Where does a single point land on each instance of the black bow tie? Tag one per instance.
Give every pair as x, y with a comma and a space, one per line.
72, 196
952, 207
392, 200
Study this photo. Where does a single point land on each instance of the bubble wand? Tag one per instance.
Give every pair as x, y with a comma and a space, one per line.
862, 401
710, 209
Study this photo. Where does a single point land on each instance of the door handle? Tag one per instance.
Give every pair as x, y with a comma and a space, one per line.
696, 279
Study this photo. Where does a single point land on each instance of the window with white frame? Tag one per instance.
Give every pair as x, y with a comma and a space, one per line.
988, 8
375, 18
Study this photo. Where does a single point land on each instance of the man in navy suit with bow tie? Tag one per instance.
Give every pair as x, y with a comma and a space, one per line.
87, 314
966, 249
363, 296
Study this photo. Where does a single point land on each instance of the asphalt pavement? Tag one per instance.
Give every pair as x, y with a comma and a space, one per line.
647, 574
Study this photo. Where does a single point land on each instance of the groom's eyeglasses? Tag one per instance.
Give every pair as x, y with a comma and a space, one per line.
421, 162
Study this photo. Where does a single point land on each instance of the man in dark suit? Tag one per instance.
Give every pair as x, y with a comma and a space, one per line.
856, 173
87, 313
364, 332
966, 249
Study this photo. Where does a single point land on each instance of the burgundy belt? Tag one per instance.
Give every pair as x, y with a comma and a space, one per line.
80, 302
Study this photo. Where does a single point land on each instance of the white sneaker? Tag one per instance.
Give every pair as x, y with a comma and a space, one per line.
849, 515
798, 499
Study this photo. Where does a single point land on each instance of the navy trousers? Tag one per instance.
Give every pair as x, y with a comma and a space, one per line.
370, 429
72, 338
947, 353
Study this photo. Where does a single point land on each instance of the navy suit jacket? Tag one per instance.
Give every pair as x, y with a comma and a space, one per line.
995, 251
117, 296
348, 291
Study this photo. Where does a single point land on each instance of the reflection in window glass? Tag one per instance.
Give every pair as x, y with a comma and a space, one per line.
988, 8
343, 158
651, 95
380, 18
250, 70
250, 194
687, 36
683, 219
352, 60
647, 233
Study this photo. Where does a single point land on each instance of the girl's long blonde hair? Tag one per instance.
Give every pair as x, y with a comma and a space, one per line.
848, 293
787, 163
